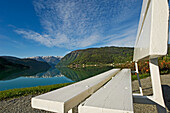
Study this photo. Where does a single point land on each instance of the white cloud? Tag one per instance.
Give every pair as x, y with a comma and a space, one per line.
75, 24
124, 39
61, 40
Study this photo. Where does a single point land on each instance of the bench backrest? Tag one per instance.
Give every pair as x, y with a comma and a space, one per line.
151, 43
152, 35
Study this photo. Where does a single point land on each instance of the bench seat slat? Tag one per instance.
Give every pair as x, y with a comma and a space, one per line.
115, 96
64, 99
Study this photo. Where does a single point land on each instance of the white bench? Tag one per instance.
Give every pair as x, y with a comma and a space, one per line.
114, 97
151, 43
66, 98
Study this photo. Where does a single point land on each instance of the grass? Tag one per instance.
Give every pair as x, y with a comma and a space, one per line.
141, 76
13, 93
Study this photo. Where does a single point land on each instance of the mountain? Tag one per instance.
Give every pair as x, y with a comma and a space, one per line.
52, 60
103, 55
5, 64
9, 66
31, 63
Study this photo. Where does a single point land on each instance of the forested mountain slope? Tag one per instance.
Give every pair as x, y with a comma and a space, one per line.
103, 55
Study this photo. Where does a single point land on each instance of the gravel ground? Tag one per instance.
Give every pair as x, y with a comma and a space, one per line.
23, 104
147, 90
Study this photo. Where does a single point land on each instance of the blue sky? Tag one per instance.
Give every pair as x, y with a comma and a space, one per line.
56, 27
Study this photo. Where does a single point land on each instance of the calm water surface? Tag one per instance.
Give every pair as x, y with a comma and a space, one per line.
53, 76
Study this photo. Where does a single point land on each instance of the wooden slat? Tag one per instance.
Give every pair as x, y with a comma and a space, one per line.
114, 97
64, 99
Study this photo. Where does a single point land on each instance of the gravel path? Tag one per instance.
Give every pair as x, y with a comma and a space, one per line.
147, 90
23, 104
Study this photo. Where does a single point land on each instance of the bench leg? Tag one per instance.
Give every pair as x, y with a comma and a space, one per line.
140, 86
73, 110
157, 97
161, 109
156, 85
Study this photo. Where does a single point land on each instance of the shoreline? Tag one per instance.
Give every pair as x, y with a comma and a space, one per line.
18, 92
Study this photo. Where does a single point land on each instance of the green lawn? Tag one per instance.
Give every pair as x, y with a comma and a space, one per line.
12, 93
141, 76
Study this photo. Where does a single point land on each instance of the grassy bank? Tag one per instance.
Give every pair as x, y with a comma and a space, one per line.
141, 76
12, 93
145, 75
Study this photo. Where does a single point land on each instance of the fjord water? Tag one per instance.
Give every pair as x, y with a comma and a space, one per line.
53, 76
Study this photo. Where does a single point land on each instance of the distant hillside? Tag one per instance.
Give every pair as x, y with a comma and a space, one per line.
11, 65
5, 64
27, 62
103, 55
52, 60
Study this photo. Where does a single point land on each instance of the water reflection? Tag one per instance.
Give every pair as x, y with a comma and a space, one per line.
28, 78
12, 74
52, 72
78, 74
